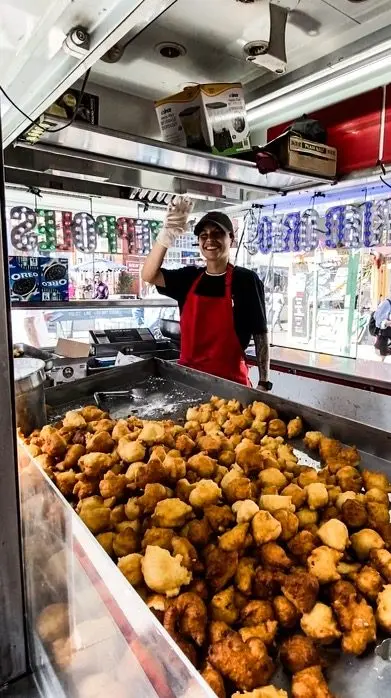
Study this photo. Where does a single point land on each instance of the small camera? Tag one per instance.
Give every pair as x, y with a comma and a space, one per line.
77, 42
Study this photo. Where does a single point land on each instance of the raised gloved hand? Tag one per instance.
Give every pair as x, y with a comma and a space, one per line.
175, 223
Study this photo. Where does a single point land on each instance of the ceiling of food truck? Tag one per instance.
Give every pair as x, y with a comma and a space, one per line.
213, 33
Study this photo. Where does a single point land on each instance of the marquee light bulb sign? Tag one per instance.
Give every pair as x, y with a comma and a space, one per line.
351, 227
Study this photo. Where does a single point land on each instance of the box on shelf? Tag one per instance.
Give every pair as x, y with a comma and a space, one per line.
64, 108
24, 276
210, 118
54, 279
300, 155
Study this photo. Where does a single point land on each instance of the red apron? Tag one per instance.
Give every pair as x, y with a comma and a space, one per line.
209, 341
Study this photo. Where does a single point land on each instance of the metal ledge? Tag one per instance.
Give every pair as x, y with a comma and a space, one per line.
96, 305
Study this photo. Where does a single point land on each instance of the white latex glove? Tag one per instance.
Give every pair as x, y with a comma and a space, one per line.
175, 223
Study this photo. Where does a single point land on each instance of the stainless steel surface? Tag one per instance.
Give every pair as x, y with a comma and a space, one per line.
13, 648
24, 687
161, 302
160, 390
125, 152
29, 394
170, 328
34, 353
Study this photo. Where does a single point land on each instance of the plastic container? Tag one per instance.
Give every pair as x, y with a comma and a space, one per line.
29, 394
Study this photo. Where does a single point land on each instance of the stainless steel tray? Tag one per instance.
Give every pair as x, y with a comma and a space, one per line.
161, 390
34, 353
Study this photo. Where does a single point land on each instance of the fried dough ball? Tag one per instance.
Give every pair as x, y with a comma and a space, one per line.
320, 624
329, 448
171, 513
74, 420
174, 467
101, 425
53, 622
377, 514
248, 457
162, 572
364, 541
121, 429
289, 523
52, 442
354, 513
265, 692
322, 563
160, 537
301, 588
286, 458
317, 495
298, 653
152, 433
219, 517
96, 518
376, 495
185, 444
204, 494
274, 555
374, 479
214, 679
132, 509
220, 566
198, 531
203, 465
381, 560
239, 489
273, 502
247, 664
235, 538
310, 683
91, 413
261, 411
276, 427
222, 606
100, 442
294, 428
226, 458
384, 531
265, 528
355, 618
113, 485
307, 476
383, 611
153, 493
130, 451
307, 518
236, 424
349, 479
66, 482
181, 546
297, 494
126, 541
256, 612
267, 583
334, 534
272, 477
286, 614
302, 544
106, 541
218, 630
368, 581
252, 435
130, 566
312, 439
71, 458
245, 574
345, 497
266, 632
245, 510
187, 615
85, 486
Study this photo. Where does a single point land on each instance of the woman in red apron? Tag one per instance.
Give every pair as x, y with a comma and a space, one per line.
216, 324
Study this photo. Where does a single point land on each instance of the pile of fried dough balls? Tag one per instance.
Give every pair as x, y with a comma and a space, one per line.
248, 558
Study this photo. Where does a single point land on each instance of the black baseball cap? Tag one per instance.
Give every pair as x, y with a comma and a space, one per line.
216, 218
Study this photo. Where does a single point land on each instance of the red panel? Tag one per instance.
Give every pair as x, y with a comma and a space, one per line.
353, 128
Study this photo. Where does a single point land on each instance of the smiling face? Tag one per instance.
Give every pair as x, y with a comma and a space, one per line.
214, 243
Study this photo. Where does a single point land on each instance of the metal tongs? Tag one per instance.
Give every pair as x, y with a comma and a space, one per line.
102, 397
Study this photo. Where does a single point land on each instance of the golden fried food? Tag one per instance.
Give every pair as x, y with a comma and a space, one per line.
91, 413
301, 588
218, 630
182, 546
204, 494
274, 555
185, 444
171, 513
261, 411
203, 465
256, 612
272, 477
377, 495
273, 502
312, 439
334, 534
383, 611
329, 448
310, 683
307, 518
187, 615
71, 458
356, 619
214, 679
307, 476
294, 428
236, 424
198, 532
220, 566
276, 427
162, 572
160, 537
378, 513
121, 429
130, 451
96, 518
220, 518
265, 528
286, 614
245, 574
130, 566
265, 692
53, 622
302, 544
235, 538
245, 510
297, 494
267, 583
368, 580
381, 560
106, 541
85, 486
113, 485
374, 479
317, 495
52, 442
354, 514
223, 608
249, 457
101, 425
126, 541
298, 653
100, 442
266, 632
320, 624
210, 443
364, 541
349, 479
95, 464
289, 523
322, 563
153, 493
66, 482
239, 489
247, 664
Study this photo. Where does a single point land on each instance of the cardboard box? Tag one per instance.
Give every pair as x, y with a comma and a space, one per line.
211, 118
24, 279
300, 155
64, 108
72, 349
53, 278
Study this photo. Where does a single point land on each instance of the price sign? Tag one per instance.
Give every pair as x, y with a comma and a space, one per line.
24, 221
84, 232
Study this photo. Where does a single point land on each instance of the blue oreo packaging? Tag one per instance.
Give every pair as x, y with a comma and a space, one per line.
54, 279
24, 275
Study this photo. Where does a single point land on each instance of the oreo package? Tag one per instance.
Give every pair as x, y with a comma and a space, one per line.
54, 279
24, 273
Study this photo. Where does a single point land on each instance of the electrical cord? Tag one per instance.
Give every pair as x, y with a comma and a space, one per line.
383, 169
36, 123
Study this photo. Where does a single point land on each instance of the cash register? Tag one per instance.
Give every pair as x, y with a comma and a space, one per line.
140, 342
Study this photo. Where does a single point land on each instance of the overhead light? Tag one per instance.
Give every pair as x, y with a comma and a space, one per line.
344, 79
75, 175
